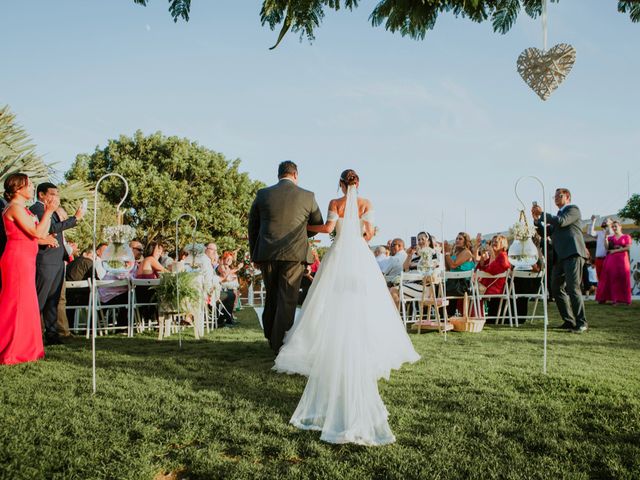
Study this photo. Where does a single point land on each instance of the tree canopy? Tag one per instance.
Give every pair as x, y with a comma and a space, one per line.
169, 176
632, 210
411, 18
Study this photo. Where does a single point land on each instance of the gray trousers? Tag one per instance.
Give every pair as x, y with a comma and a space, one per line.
282, 284
566, 280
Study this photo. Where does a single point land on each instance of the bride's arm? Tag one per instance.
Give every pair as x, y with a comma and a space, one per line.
330, 224
367, 222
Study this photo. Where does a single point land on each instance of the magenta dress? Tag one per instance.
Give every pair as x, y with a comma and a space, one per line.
20, 330
615, 282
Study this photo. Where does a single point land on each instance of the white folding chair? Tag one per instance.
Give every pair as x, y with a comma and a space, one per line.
73, 288
409, 296
468, 276
108, 313
504, 308
137, 284
538, 295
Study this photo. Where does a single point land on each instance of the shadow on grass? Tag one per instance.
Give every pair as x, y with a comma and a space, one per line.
236, 370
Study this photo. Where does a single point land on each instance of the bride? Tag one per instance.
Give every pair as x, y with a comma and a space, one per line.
349, 333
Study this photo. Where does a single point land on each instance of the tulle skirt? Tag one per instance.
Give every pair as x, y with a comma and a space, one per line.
349, 335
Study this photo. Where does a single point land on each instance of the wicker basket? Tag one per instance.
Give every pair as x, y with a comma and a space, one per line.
462, 324
467, 323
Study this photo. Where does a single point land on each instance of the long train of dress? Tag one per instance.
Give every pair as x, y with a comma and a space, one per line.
348, 336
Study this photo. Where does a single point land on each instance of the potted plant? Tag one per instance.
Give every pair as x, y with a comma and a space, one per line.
178, 286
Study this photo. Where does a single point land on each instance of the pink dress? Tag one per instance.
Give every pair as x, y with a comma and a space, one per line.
615, 282
20, 330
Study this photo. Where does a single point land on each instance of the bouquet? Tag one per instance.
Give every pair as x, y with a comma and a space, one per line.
521, 230
119, 233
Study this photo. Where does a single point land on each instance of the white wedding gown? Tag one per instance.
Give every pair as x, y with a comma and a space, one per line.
349, 335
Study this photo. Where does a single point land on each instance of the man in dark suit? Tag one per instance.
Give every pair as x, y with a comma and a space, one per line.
278, 244
565, 231
50, 263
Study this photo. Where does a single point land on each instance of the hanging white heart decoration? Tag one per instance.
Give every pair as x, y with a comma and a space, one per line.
545, 71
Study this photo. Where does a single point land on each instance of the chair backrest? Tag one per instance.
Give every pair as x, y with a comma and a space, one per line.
77, 284
527, 274
411, 277
112, 283
468, 274
481, 274
144, 282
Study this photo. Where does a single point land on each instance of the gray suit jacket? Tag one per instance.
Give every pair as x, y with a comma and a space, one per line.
278, 222
565, 232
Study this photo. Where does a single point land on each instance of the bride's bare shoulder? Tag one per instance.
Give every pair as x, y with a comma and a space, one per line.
364, 204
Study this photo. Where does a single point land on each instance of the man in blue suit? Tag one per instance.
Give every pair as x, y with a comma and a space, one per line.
565, 231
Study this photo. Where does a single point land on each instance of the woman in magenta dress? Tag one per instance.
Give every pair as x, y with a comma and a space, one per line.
615, 282
20, 331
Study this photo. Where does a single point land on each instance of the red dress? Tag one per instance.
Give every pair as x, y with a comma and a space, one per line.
20, 330
614, 285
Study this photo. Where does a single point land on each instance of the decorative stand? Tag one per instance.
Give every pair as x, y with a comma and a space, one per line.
94, 291
193, 241
544, 265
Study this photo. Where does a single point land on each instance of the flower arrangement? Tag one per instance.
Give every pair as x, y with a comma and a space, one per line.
119, 233
428, 259
521, 230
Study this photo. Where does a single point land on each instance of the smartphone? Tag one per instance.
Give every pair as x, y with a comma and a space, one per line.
414, 242
535, 204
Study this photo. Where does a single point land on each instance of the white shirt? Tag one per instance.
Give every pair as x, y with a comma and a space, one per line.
393, 266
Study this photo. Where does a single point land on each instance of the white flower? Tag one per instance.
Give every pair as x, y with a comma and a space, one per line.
119, 233
522, 231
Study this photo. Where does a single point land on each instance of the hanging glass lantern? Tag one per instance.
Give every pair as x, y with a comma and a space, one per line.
523, 253
118, 258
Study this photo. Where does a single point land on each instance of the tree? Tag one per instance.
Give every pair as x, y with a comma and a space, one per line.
409, 17
18, 154
168, 176
632, 210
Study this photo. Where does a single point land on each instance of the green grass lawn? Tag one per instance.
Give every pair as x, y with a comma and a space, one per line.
475, 406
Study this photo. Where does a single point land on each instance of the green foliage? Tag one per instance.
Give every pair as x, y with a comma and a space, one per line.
169, 176
17, 152
474, 407
174, 287
177, 8
632, 210
411, 18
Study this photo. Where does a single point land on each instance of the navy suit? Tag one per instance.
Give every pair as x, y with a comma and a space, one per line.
50, 269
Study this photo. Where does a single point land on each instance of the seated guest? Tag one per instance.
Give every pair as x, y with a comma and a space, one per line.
498, 263
228, 296
150, 266
100, 270
80, 269
393, 265
137, 249
211, 251
458, 259
412, 290
307, 278
381, 255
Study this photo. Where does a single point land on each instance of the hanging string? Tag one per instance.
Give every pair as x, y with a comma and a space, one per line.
544, 25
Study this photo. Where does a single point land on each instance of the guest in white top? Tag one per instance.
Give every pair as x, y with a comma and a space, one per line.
393, 266
601, 235
381, 256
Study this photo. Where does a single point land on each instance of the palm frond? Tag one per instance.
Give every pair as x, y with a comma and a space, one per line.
505, 15
631, 6
17, 152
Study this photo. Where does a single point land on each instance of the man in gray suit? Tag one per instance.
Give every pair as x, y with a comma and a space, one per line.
568, 244
278, 244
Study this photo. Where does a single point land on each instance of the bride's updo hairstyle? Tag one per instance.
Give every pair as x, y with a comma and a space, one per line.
349, 177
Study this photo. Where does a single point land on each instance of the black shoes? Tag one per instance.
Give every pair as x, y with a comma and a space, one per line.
52, 339
566, 326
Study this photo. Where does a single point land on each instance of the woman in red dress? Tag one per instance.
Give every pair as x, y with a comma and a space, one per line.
615, 284
497, 263
20, 330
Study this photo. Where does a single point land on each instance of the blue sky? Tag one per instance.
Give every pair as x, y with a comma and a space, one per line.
439, 128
